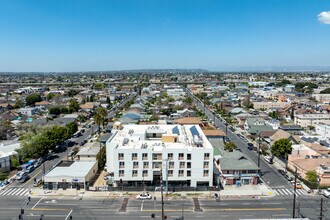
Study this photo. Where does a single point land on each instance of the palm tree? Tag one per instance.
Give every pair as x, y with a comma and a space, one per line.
100, 115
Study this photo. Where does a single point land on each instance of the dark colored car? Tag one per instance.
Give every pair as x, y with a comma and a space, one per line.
250, 146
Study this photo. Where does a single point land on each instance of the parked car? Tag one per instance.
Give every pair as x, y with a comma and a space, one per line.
269, 159
29, 169
144, 196
298, 185
288, 177
281, 171
250, 146
37, 182
24, 178
326, 193
38, 162
19, 175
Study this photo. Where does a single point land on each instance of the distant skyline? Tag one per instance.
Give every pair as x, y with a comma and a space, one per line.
82, 35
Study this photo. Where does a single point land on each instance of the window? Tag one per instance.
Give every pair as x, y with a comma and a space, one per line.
171, 165
121, 173
134, 156
135, 165
157, 165
206, 164
205, 173
144, 156
170, 172
188, 156
181, 172
206, 156
145, 173
145, 165
188, 172
181, 156
157, 156
188, 165
170, 156
134, 173
182, 165
120, 156
121, 165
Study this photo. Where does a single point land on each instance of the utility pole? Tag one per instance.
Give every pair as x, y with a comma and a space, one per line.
166, 163
294, 194
321, 209
258, 149
161, 192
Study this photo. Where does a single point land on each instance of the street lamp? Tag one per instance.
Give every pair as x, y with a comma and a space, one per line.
258, 148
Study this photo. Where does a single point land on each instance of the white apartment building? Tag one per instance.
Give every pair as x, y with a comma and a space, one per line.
269, 105
305, 120
323, 130
322, 97
176, 93
143, 153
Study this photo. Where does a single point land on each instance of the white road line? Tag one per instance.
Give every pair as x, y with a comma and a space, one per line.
11, 191
142, 205
289, 191
24, 192
3, 191
18, 191
278, 192
298, 192
68, 215
37, 203
14, 192
6, 191
284, 192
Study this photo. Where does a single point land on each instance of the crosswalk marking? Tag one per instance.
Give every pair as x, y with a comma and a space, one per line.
286, 192
15, 192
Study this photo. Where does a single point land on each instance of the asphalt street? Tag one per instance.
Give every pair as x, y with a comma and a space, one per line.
78, 207
269, 173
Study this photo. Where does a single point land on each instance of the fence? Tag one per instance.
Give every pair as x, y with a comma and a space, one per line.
153, 188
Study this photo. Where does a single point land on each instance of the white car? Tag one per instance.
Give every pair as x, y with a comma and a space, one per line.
326, 193
269, 159
144, 196
19, 175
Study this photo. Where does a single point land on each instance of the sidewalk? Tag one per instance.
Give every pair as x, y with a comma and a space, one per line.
228, 192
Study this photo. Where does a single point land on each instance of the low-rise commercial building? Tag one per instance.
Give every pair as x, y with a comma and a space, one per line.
70, 175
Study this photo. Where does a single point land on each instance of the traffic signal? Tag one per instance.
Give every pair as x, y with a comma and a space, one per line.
153, 215
70, 217
20, 217
22, 211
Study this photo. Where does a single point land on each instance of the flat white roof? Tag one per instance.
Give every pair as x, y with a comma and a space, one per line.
134, 137
77, 169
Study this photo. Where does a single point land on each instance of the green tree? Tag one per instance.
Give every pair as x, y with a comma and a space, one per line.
32, 99
3, 175
72, 92
5, 128
311, 177
188, 100
73, 105
18, 104
14, 162
55, 110
101, 157
230, 146
325, 91
72, 128
99, 117
50, 96
274, 114
281, 148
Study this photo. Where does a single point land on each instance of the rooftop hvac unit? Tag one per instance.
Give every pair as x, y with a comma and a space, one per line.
125, 141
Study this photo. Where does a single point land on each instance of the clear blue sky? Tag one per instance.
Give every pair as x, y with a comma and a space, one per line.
80, 35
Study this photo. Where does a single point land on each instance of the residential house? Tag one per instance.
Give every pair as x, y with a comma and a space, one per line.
256, 125
237, 169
